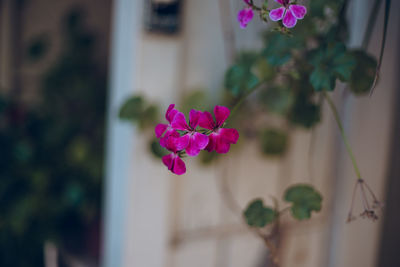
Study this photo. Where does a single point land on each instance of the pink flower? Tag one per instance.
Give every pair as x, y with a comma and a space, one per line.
197, 141
245, 16
220, 138
165, 130
175, 143
289, 12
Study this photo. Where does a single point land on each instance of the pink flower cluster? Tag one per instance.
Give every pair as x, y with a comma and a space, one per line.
289, 13
179, 136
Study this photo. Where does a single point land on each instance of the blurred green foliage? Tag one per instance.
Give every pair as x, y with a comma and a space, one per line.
277, 99
258, 215
51, 160
274, 142
278, 48
304, 199
239, 78
330, 62
38, 48
363, 75
136, 109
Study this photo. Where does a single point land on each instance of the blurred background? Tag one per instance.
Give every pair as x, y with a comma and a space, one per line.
80, 187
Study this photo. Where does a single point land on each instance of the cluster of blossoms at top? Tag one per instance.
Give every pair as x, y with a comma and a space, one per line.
180, 137
289, 13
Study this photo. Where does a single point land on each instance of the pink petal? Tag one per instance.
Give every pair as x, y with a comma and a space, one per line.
171, 112
160, 129
179, 122
192, 150
182, 142
298, 11
247, 1
168, 160
197, 142
174, 143
212, 140
174, 163
179, 167
206, 121
168, 133
277, 14
221, 145
289, 20
221, 114
229, 135
201, 140
194, 117
245, 16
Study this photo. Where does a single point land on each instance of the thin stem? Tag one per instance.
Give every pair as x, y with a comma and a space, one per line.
232, 204
273, 251
342, 132
364, 197
383, 43
371, 192
350, 216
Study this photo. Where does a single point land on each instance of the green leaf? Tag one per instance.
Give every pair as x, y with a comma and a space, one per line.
279, 48
277, 99
304, 112
343, 65
363, 75
274, 142
239, 78
132, 108
263, 70
157, 150
321, 79
258, 215
196, 99
330, 62
148, 116
317, 7
304, 199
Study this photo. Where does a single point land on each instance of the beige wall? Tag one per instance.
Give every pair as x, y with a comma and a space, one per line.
190, 207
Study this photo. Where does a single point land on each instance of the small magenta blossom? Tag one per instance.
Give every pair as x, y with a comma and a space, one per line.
220, 138
197, 141
245, 16
289, 12
175, 143
165, 130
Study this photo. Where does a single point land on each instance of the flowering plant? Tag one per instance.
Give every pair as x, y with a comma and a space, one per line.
291, 77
